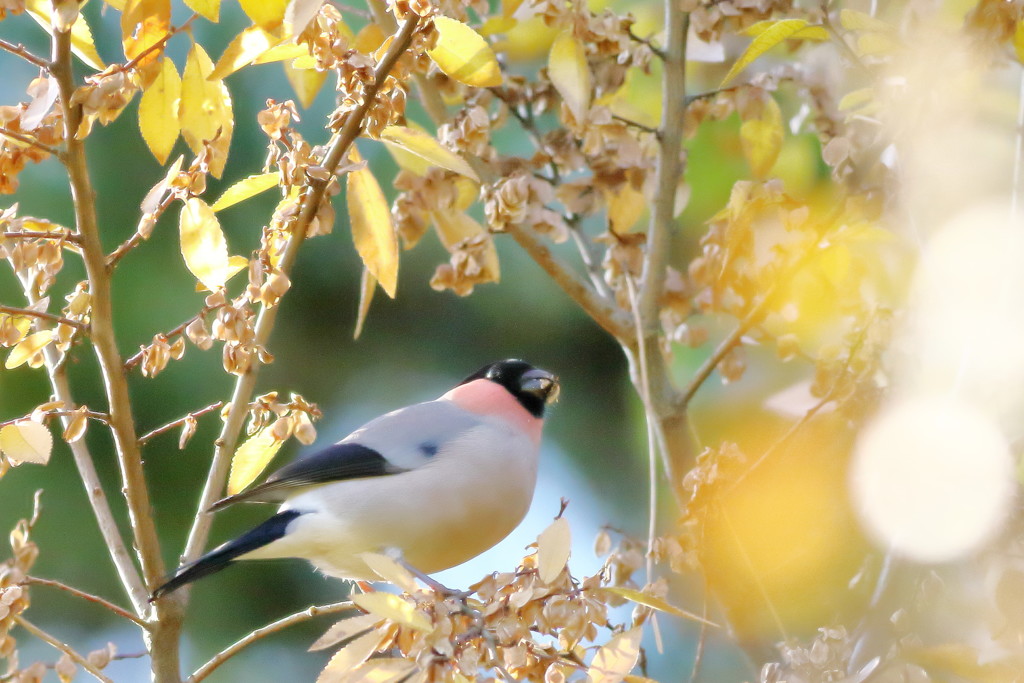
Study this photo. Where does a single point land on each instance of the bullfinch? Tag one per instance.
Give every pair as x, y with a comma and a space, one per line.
437, 483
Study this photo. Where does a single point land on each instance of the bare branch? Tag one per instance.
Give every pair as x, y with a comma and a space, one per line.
159, 45
138, 236
42, 315
119, 611
281, 624
21, 51
174, 332
101, 417
146, 438
639, 126
29, 140
62, 236
337, 149
63, 647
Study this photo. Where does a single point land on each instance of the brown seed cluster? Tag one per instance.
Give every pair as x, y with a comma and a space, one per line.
40, 120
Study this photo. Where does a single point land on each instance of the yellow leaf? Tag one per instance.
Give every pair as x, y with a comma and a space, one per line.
202, 244
244, 189
389, 570
242, 51
876, 44
205, 109
267, 14
394, 608
425, 146
1018, 40
210, 9
656, 603
143, 24
158, 112
77, 425
369, 38
367, 286
570, 73
768, 38
625, 206
305, 82
852, 20
455, 226
856, 99
497, 25
383, 670
281, 52
553, 547
26, 441
81, 36
28, 347
345, 629
808, 33
761, 138
464, 55
372, 230
251, 458
351, 656
616, 658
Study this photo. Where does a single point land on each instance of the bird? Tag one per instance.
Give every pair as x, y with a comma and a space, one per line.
433, 484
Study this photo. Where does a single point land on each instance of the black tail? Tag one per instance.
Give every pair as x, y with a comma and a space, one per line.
221, 556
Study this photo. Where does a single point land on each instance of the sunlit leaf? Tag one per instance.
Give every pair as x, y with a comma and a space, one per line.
26, 441
351, 656
369, 38
267, 14
876, 43
281, 52
76, 425
210, 9
251, 458
367, 286
202, 244
553, 547
497, 25
393, 607
625, 206
205, 111
81, 36
382, 670
305, 82
243, 50
389, 570
808, 33
616, 658
299, 14
464, 55
761, 138
28, 347
158, 111
425, 146
244, 189
852, 20
768, 38
1018, 40
143, 24
345, 629
372, 229
856, 99
655, 603
570, 73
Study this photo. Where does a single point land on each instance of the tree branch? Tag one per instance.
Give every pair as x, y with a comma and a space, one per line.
314, 195
29, 140
163, 640
281, 624
119, 611
42, 315
206, 310
21, 51
146, 438
64, 236
63, 647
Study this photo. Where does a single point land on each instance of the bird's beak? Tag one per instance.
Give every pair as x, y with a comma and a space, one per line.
541, 384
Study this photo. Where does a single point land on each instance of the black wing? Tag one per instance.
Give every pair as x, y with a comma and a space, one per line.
334, 463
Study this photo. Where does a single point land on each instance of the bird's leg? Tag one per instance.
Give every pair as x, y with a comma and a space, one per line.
396, 555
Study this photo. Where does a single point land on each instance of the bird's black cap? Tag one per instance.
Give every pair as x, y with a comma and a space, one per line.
532, 387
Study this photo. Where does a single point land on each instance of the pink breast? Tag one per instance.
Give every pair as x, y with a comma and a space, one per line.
484, 397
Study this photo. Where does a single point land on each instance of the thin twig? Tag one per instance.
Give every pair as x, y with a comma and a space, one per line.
42, 315
636, 124
120, 611
91, 414
698, 656
63, 647
143, 440
29, 140
159, 45
297, 618
246, 383
174, 332
647, 41
62, 236
138, 236
841, 40
21, 51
